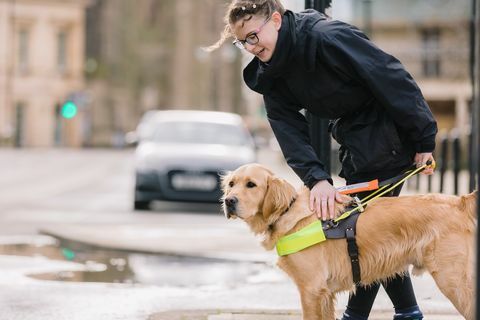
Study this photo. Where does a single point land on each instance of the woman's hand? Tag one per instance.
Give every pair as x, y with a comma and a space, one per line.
322, 200
422, 158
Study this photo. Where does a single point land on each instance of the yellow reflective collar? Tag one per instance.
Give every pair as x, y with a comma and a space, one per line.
303, 238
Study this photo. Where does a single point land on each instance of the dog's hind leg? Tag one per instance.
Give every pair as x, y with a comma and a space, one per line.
452, 269
317, 304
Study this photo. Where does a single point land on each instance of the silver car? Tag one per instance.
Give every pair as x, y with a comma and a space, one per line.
181, 155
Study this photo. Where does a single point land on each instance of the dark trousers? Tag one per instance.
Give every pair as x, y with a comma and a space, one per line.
399, 289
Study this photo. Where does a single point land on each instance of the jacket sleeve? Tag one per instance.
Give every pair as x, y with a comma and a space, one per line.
292, 132
349, 51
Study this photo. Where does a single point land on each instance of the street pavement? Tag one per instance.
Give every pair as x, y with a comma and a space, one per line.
172, 229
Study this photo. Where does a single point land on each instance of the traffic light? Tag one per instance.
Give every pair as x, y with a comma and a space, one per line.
69, 110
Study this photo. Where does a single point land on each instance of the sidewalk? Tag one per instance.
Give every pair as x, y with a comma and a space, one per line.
268, 315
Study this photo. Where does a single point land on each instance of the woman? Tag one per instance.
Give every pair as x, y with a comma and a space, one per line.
331, 69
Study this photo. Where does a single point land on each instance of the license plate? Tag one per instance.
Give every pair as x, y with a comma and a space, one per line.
199, 182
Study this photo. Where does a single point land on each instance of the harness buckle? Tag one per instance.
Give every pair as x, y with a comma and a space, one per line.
359, 204
330, 224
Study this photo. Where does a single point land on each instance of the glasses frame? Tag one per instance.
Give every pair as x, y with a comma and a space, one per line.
252, 37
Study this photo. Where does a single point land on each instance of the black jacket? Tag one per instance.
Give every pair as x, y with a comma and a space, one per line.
331, 69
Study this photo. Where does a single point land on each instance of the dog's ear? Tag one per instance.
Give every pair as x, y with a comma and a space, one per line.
224, 179
277, 199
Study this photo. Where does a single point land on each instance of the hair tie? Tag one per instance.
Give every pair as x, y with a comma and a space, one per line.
254, 6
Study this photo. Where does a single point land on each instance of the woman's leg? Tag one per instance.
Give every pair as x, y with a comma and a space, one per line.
400, 291
360, 303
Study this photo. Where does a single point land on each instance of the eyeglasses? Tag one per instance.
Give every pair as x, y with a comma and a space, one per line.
252, 37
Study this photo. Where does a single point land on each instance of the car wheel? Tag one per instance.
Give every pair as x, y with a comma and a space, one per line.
141, 205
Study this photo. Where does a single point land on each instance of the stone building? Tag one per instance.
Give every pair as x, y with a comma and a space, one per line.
41, 67
116, 59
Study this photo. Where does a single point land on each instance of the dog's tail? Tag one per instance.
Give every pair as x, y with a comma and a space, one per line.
468, 204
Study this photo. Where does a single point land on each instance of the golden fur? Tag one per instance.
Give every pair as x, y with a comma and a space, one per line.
432, 232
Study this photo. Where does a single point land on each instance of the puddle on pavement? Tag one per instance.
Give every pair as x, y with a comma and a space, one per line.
124, 267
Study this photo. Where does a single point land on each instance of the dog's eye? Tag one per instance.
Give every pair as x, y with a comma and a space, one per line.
230, 184
250, 184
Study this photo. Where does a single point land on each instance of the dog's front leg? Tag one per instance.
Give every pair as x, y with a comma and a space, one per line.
317, 304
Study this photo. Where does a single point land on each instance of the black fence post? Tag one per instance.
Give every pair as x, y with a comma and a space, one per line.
456, 159
417, 183
429, 184
472, 156
319, 135
443, 160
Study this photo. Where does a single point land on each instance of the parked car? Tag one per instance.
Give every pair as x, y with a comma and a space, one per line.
181, 154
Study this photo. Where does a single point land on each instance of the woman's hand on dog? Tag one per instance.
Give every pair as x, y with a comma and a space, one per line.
422, 158
322, 200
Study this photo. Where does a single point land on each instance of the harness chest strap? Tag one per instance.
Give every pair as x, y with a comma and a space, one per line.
315, 233
303, 238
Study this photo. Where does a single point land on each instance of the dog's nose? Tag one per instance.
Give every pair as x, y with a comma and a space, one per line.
231, 202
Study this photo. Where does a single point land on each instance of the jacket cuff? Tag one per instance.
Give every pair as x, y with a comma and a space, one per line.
320, 175
423, 147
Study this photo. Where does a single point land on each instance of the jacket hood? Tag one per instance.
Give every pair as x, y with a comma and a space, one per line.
294, 43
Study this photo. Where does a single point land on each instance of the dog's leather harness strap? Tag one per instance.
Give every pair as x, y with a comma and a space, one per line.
353, 252
337, 230
346, 229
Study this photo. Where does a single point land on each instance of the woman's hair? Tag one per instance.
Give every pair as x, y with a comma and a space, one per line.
238, 9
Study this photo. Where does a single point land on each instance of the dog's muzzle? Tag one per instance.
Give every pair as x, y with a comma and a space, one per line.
230, 206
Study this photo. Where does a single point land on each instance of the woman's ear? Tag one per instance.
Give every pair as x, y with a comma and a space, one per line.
277, 199
277, 20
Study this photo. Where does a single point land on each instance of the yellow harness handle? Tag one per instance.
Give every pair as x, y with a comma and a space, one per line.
363, 204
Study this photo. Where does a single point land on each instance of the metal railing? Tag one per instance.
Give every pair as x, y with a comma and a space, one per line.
454, 159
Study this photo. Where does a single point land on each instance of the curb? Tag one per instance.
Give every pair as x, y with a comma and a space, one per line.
270, 315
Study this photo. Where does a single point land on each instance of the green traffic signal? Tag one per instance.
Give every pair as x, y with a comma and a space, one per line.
69, 110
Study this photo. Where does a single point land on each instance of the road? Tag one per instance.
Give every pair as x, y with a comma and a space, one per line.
41, 189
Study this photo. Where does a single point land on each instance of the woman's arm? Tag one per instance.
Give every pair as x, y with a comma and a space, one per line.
291, 130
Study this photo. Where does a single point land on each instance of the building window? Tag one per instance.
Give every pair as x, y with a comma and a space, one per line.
62, 51
431, 52
23, 50
20, 124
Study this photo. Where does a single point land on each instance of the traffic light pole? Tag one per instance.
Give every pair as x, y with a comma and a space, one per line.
319, 135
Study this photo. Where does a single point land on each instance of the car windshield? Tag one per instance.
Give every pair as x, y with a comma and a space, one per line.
199, 133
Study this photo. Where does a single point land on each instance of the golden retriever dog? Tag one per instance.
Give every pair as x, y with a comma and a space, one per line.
431, 232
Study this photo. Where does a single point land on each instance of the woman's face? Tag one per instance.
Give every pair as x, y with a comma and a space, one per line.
265, 29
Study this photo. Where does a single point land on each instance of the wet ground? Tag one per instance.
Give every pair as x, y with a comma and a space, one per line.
110, 266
